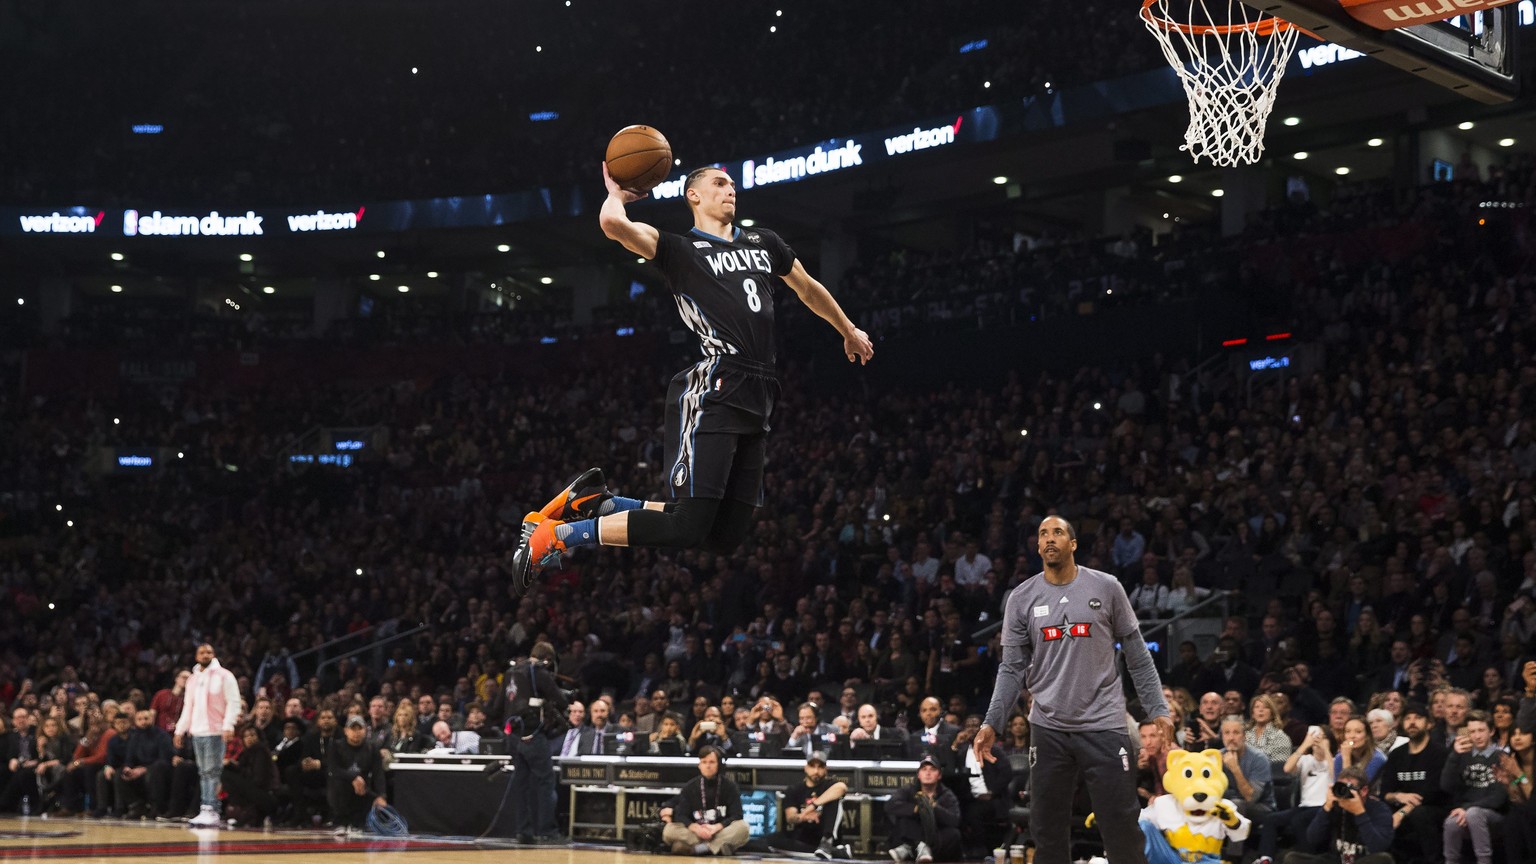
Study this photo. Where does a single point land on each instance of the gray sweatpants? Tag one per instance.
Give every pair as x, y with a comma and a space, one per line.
1107, 762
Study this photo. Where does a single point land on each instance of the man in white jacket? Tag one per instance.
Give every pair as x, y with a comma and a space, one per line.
209, 711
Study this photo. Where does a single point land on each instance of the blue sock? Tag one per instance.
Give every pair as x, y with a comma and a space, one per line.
582, 532
618, 505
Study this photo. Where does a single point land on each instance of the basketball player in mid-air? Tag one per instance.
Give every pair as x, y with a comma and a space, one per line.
718, 410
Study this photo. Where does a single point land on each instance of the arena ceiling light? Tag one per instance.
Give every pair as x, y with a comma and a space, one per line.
546, 281
268, 290
117, 289
745, 223
1465, 125
431, 274
380, 253
999, 180
117, 256
1292, 121
502, 247
21, 301
1506, 142
1175, 178
1300, 155
404, 289
1341, 170
1217, 193
373, 277
1374, 142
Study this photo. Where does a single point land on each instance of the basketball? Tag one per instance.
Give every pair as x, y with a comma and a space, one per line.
638, 158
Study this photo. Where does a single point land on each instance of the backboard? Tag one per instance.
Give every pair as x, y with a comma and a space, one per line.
1472, 54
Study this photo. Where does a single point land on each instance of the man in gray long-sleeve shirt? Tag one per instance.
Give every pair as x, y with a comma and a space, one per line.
1060, 630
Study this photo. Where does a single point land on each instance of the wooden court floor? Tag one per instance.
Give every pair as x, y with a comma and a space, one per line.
107, 842
85, 841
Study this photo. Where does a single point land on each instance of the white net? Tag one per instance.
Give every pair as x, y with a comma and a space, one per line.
1230, 59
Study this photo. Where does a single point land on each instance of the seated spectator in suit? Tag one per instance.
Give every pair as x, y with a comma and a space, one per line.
809, 734
567, 741
933, 735
924, 818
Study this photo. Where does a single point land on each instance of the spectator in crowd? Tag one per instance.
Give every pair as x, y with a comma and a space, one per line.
1203, 729
105, 803
705, 818
813, 814
934, 735
142, 787
167, 702
567, 742
1358, 750
1473, 792
1312, 766
1382, 727
308, 782
1517, 770
264, 721
1264, 733
85, 764
593, 743
924, 817
403, 734
1151, 761
1352, 825
709, 732
356, 776
1411, 783
250, 781
1247, 771
21, 760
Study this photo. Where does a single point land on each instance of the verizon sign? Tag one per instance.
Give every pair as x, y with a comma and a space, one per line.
322, 221
1392, 14
59, 223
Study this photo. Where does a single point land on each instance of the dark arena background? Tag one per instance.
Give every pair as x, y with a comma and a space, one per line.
304, 305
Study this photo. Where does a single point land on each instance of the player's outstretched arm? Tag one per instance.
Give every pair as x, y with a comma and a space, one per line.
637, 237
813, 294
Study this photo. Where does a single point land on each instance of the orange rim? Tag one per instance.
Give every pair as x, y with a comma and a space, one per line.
1263, 27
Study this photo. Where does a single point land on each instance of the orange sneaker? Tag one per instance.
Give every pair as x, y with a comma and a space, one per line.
539, 548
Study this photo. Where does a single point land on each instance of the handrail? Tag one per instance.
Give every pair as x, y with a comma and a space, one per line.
1152, 625
376, 646
339, 639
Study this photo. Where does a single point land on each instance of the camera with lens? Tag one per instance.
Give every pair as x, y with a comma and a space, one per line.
1343, 790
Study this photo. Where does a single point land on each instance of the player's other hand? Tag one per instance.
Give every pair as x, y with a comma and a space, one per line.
626, 195
986, 736
856, 345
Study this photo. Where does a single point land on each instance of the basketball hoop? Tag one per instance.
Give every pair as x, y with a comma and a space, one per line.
1230, 61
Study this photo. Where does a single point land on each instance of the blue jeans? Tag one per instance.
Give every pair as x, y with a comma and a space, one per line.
209, 750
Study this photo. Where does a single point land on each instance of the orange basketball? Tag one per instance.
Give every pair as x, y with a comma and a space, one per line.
638, 158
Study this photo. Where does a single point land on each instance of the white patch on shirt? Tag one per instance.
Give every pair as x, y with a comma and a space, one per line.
1042, 611
703, 244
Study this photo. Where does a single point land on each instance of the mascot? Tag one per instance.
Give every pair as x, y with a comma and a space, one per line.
1190, 823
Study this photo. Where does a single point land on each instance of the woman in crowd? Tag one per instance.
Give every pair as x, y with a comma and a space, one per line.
1184, 594
896, 665
1503, 721
1383, 728
1517, 768
1358, 750
1491, 691
404, 734
89, 756
1264, 733
1368, 645
1016, 739
1312, 765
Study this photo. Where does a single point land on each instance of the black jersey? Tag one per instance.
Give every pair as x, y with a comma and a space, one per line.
724, 288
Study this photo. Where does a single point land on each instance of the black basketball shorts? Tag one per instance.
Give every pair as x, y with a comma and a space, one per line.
718, 414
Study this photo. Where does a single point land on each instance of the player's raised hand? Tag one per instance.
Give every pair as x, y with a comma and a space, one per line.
858, 347
626, 195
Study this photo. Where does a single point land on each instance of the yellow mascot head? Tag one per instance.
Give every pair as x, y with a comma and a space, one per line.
1197, 782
